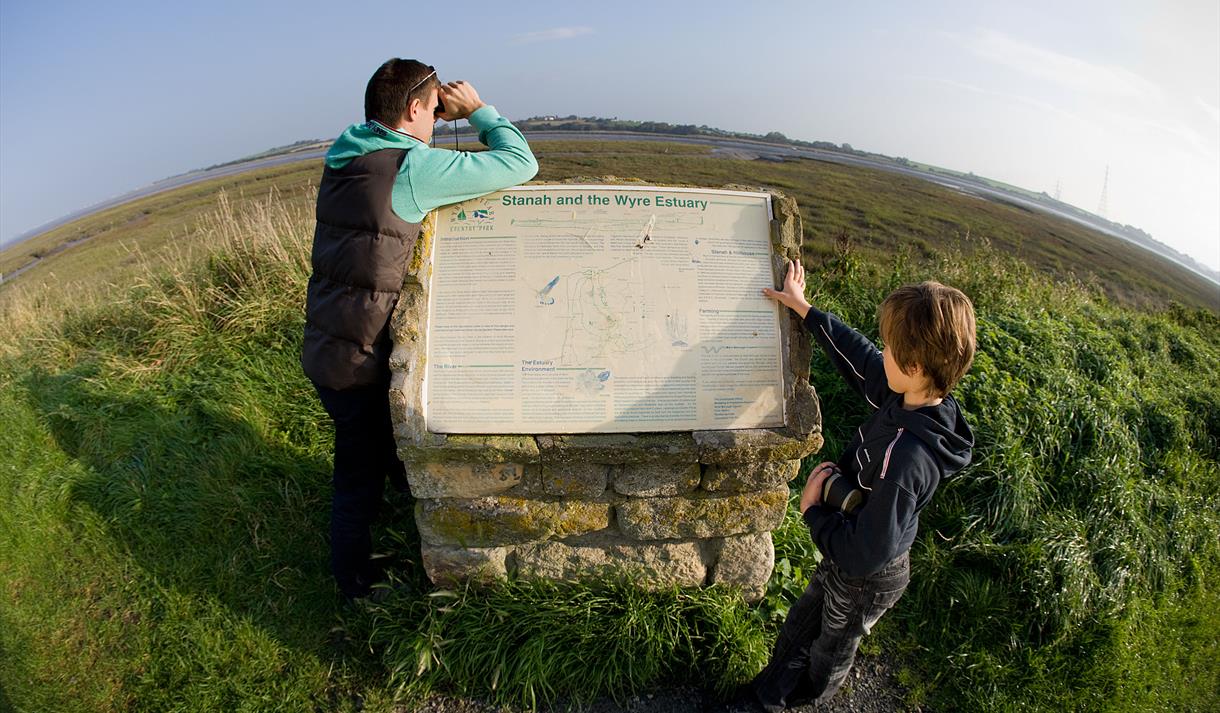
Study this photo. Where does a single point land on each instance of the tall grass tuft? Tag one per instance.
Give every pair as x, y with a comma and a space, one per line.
533, 642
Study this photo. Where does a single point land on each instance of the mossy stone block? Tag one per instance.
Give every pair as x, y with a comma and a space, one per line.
616, 448
575, 480
462, 480
754, 445
495, 520
745, 561
655, 479
747, 477
417, 264
439, 448
804, 411
409, 317
651, 565
701, 515
408, 420
450, 565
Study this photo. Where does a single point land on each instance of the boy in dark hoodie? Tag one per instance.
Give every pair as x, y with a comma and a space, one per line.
865, 523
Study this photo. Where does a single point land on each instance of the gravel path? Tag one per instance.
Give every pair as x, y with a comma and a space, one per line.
871, 688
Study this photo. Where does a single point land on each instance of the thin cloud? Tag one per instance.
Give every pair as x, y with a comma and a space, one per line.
1173, 128
1211, 110
1072, 72
1008, 96
551, 35
1125, 124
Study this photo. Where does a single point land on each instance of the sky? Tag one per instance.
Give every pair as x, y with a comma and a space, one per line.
97, 99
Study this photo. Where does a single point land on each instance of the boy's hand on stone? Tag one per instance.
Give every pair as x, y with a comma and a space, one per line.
793, 293
460, 100
812, 494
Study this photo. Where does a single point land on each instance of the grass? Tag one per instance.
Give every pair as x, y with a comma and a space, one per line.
878, 212
115, 245
180, 508
532, 642
166, 468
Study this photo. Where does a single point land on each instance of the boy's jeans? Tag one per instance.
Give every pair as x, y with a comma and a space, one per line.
817, 644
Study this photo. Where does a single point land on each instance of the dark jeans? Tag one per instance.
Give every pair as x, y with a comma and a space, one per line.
365, 454
817, 644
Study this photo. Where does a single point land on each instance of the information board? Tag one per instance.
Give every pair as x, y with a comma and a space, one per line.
577, 309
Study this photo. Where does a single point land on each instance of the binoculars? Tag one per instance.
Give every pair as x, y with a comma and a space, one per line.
840, 492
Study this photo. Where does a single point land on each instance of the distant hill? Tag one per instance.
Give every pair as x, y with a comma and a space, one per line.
295, 147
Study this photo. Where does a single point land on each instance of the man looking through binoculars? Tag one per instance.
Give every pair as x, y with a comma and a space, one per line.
380, 179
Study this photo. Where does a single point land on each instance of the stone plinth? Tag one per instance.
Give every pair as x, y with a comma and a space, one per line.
686, 508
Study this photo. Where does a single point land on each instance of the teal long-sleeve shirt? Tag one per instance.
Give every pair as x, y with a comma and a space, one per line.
430, 177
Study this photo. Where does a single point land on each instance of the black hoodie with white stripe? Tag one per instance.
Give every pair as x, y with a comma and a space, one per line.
898, 456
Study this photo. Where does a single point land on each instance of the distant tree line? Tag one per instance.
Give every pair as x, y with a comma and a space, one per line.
596, 123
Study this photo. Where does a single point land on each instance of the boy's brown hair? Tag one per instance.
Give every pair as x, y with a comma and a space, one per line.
930, 325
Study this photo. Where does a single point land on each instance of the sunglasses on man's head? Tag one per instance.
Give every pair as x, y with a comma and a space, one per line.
440, 106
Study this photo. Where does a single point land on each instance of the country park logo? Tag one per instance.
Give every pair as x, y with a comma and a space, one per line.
480, 215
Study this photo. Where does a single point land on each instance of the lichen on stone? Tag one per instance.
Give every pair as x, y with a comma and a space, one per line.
701, 516
492, 521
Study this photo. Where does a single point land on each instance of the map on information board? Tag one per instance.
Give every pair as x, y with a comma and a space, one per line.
579, 309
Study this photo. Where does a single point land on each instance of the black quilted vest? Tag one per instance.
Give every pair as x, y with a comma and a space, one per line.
360, 253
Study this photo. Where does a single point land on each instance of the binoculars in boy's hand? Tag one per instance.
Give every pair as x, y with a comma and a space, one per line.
840, 492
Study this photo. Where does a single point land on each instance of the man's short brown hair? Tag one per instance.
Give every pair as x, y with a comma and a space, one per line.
930, 325
393, 86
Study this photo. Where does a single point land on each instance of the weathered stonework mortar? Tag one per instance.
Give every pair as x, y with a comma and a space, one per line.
686, 508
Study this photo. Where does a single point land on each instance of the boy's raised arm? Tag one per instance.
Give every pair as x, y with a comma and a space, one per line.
854, 356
